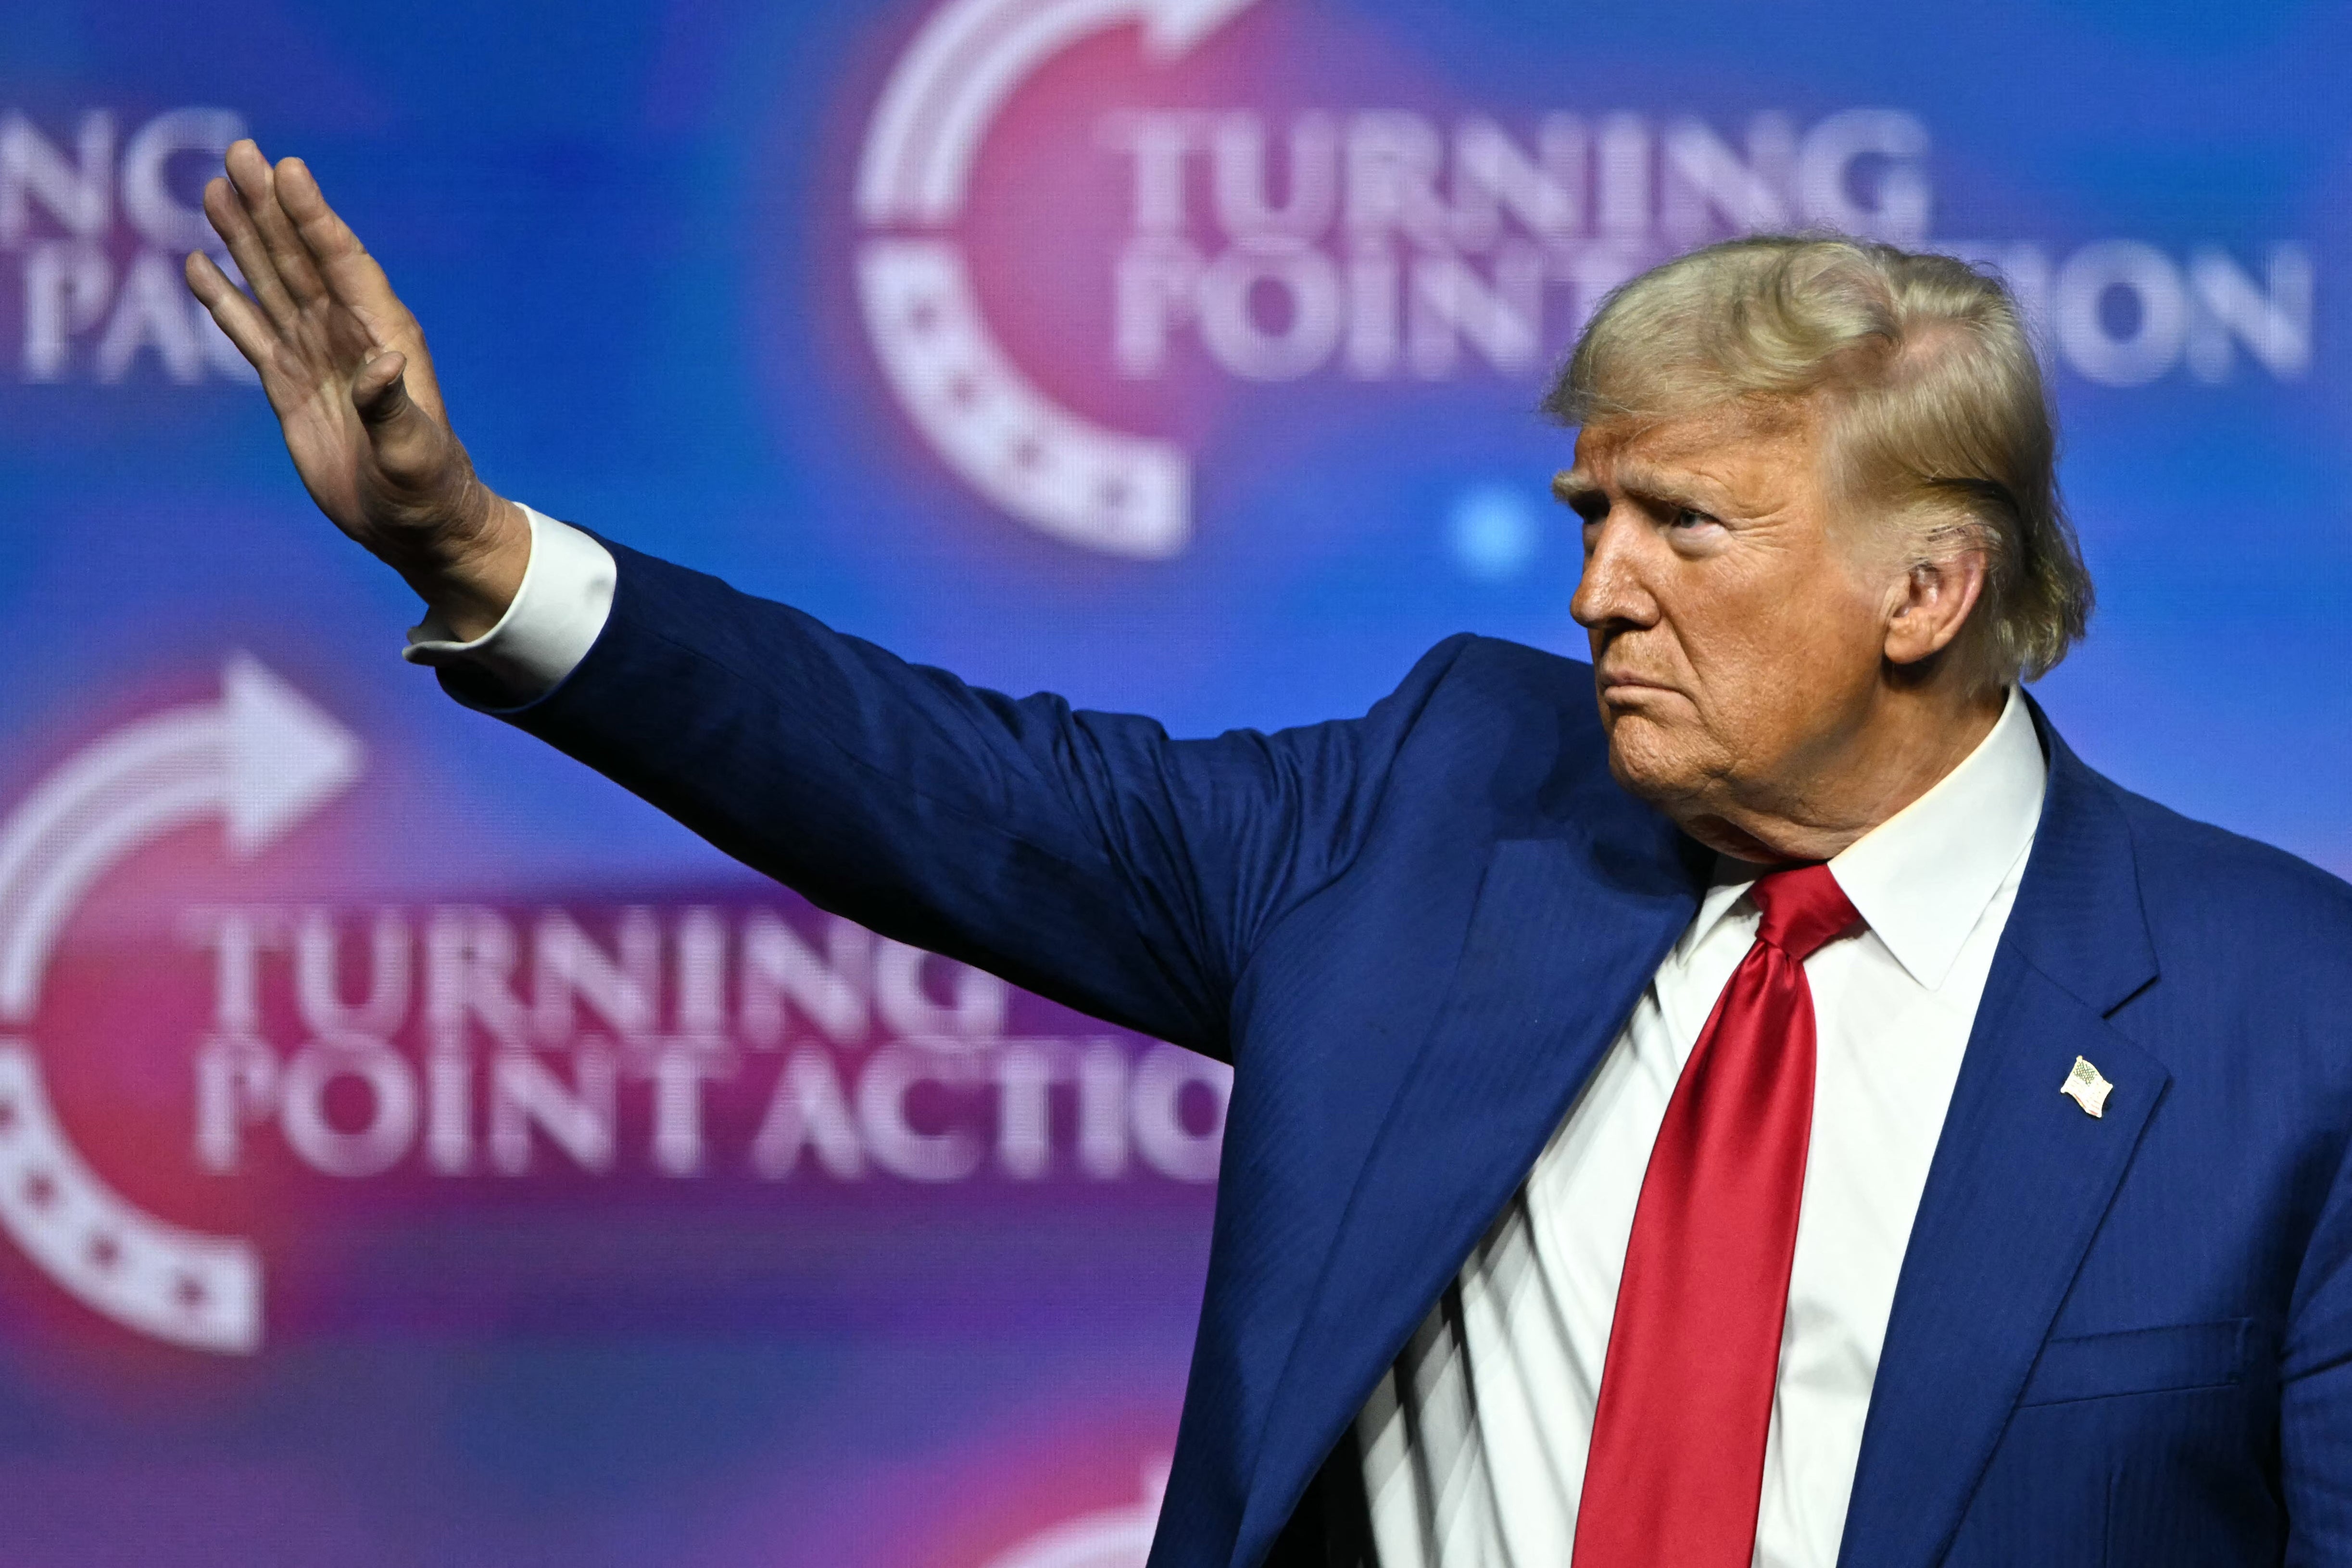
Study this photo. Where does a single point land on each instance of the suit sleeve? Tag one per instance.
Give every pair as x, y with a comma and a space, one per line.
2315, 1392
1085, 856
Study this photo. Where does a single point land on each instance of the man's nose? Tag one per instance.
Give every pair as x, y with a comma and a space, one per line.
1613, 592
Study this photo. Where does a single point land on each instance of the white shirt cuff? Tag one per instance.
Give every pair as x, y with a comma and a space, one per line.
557, 614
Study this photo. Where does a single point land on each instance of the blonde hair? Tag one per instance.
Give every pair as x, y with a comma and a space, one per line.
1935, 413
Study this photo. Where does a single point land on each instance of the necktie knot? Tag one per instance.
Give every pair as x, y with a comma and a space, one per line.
1802, 908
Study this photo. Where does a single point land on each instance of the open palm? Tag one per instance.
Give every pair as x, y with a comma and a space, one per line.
345, 368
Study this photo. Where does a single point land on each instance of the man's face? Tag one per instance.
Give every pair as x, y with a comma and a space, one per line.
1737, 631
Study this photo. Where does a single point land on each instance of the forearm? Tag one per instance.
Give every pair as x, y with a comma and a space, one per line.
945, 816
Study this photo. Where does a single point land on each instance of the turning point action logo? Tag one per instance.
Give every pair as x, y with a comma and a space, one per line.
729, 1038
96, 222
1377, 244
1048, 466
258, 760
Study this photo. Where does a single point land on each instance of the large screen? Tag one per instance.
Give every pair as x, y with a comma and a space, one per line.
415, 1150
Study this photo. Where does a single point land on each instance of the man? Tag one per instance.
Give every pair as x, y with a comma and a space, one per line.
1796, 1113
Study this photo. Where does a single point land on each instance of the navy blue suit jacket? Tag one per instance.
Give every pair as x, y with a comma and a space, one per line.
2116, 1340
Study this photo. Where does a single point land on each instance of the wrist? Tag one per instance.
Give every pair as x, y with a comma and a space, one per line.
479, 566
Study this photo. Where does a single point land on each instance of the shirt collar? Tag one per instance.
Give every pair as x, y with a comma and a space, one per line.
1922, 878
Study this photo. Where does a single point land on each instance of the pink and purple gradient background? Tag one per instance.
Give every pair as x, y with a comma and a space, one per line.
628, 232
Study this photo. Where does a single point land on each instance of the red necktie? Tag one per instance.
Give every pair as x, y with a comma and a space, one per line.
1677, 1458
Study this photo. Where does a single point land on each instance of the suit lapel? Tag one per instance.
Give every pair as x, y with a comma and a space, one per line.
2020, 1180
1562, 941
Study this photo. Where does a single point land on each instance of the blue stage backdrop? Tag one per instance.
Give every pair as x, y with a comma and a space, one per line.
413, 1150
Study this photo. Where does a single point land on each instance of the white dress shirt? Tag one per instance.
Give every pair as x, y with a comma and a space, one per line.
1474, 1446
558, 611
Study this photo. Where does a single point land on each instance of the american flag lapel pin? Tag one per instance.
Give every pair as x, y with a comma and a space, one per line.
2086, 1088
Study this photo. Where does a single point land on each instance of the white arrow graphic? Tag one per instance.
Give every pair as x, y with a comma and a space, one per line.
937, 107
1121, 494
260, 759
1116, 1537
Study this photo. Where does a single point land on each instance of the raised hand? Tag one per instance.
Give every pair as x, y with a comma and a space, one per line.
346, 369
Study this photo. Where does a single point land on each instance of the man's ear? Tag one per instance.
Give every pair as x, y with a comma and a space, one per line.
1931, 603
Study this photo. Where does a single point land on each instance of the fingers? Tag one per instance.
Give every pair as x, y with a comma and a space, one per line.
351, 274
257, 191
233, 312
234, 225
357, 284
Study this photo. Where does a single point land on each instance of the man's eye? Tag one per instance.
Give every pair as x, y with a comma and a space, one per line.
1691, 517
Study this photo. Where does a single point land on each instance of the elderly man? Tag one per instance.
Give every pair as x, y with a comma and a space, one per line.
1788, 1111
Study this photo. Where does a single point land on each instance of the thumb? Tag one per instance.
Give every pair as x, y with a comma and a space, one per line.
410, 447
380, 392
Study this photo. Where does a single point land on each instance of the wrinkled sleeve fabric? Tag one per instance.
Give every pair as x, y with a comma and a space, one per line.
1085, 856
